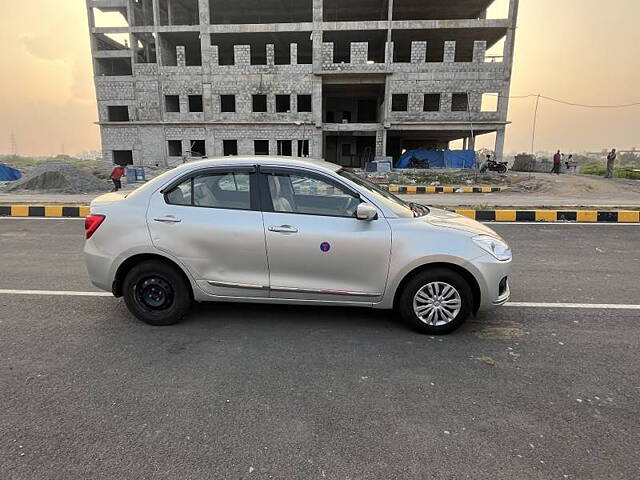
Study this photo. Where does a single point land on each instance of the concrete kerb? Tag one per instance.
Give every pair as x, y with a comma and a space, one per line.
422, 190
482, 215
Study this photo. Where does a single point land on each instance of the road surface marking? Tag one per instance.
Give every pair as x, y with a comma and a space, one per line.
58, 293
593, 306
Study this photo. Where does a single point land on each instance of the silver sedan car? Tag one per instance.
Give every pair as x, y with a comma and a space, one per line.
294, 231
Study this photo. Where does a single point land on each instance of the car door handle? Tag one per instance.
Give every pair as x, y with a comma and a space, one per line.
167, 219
283, 229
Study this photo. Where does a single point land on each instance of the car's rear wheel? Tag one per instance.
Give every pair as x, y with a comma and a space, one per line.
156, 293
436, 301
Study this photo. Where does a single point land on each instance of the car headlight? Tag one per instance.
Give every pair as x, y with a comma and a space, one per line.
495, 247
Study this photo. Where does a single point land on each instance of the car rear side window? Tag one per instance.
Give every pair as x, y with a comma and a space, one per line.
229, 190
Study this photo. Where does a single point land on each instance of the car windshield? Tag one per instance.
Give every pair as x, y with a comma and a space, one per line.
395, 204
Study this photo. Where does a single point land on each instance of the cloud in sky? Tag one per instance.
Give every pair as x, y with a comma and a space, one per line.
581, 50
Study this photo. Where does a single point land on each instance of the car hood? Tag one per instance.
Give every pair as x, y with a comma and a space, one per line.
444, 218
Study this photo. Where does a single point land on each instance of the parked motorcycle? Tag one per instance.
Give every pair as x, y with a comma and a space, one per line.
493, 166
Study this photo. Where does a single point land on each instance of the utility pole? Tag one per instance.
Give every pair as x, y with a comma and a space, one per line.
14, 145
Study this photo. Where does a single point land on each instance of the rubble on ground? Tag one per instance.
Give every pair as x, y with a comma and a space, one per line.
58, 178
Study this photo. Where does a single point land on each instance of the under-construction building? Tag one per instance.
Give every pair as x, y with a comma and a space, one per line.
343, 80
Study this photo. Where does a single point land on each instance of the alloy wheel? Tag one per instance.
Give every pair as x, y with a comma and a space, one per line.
437, 304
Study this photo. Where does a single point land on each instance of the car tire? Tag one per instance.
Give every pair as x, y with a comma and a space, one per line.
157, 293
449, 313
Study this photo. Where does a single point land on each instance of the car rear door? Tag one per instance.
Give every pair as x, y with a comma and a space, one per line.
211, 221
317, 249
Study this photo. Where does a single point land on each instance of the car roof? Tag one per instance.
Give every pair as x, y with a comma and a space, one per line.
264, 160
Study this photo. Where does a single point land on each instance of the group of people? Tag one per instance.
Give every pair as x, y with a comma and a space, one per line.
559, 159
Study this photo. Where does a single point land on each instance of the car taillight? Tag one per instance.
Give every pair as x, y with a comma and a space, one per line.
91, 224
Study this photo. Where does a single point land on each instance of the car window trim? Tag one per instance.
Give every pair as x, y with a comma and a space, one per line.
265, 193
254, 201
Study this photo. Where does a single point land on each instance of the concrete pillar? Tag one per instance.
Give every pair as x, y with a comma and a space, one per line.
270, 55
418, 52
479, 51
449, 52
316, 101
181, 57
316, 40
359, 52
381, 136
203, 11
241, 55
471, 143
293, 52
499, 147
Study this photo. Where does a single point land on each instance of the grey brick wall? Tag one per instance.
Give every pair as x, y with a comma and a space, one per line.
152, 126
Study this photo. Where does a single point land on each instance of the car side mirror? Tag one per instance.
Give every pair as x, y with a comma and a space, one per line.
366, 211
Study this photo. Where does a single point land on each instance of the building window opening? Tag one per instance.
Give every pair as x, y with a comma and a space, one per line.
259, 103
227, 103
142, 12
179, 12
198, 148
303, 148
304, 103
431, 102
399, 102
118, 113
261, 147
123, 157
489, 102
175, 148
145, 47
113, 67
192, 48
172, 103
229, 148
284, 148
459, 102
283, 103
195, 103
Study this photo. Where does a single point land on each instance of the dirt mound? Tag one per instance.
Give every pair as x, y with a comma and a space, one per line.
58, 178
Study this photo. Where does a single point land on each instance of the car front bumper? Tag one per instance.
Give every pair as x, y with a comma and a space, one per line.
493, 279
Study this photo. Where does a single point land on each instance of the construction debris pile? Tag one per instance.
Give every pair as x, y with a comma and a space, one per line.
58, 178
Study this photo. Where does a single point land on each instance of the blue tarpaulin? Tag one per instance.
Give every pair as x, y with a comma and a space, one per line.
8, 173
439, 158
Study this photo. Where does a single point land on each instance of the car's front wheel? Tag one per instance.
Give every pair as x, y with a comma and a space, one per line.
156, 293
436, 301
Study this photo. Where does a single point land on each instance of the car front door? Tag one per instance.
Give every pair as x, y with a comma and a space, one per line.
211, 221
316, 247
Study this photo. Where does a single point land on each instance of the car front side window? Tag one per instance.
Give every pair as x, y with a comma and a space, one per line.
310, 195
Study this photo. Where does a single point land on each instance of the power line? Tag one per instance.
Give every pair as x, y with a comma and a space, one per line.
564, 102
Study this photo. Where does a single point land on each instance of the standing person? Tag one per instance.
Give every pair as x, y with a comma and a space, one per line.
116, 177
611, 162
557, 159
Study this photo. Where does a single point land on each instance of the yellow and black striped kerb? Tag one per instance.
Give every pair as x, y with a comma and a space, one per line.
59, 211
414, 189
583, 216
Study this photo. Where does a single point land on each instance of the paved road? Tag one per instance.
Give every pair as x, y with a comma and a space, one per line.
248, 391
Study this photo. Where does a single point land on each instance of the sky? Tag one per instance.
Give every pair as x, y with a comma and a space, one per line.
583, 51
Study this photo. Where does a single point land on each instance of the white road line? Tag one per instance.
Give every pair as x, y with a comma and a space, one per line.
592, 306
57, 293
567, 224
